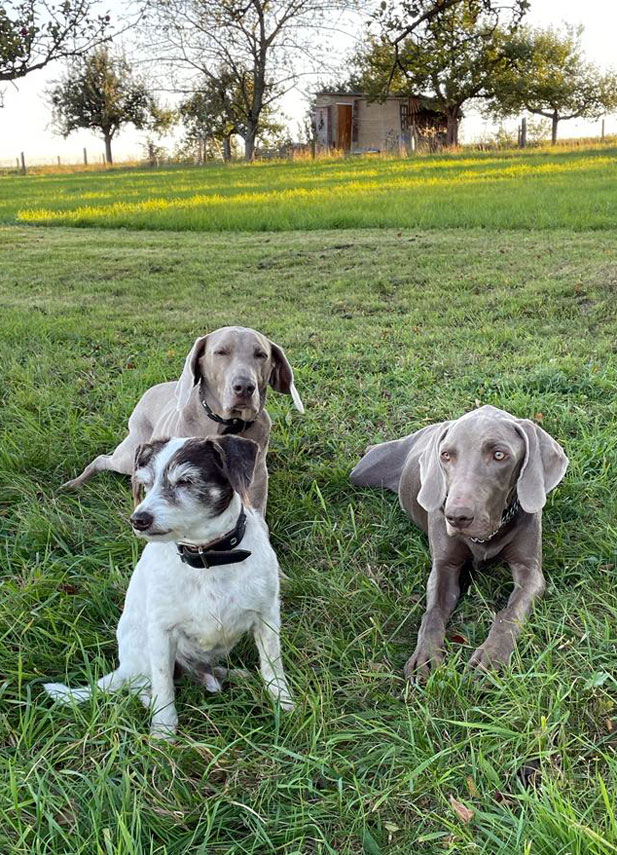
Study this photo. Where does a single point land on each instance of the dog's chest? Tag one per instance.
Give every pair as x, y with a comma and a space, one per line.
214, 612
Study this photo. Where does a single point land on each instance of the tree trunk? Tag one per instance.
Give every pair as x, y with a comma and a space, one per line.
554, 129
108, 157
227, 148
452, 116
249, 142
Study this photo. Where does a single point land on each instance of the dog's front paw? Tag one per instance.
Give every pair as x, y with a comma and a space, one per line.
164, 726
286, 703
493, 655
426, 657
281, 694
68, 486
163, 732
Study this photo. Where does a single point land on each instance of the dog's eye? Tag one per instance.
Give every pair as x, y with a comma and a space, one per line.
184, 482
260, 354
445, 455
499, 455
221, 352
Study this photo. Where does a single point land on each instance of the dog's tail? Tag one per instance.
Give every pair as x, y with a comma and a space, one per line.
109, 683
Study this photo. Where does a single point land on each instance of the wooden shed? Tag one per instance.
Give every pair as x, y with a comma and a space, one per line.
351, 122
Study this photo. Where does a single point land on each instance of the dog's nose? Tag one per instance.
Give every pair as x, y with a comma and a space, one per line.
461, 517
243, 387
141, 521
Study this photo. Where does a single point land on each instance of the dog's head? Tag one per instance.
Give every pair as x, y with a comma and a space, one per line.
476, 465
236, 364
181, 485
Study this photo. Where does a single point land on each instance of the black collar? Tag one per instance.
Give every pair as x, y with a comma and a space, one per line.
219, 551
506, 518
231, 425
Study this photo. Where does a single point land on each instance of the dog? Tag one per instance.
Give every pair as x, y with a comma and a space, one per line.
222, 391
206, 577
476, 486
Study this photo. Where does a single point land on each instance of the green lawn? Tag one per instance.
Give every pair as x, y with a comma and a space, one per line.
575, 188
388, 330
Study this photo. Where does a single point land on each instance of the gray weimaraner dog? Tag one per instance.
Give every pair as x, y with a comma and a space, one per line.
477, 487
222, 390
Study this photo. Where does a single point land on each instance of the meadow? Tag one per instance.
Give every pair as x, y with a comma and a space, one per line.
536, 189
388, 329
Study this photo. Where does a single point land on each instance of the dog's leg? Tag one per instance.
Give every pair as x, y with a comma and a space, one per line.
224, 674
207, 677
99, 464
442, 593
497, 649
266, 632
258, 490
109, 683
120, 460
162, 657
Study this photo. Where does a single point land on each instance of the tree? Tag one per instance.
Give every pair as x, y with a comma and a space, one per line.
99, 92
257, 42
449, 57
209, 115
216, 110
34, 33
402, 18
549, 76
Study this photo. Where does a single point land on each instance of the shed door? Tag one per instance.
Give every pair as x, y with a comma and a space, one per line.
343, 126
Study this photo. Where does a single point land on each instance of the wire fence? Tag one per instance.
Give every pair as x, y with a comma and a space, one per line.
85, 157
87, 160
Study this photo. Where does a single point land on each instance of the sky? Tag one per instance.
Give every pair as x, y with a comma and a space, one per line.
24, 119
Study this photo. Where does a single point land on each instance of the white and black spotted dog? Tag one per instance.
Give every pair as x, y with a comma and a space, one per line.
207, 575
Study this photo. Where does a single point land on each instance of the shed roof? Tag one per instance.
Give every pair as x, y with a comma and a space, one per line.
419, 102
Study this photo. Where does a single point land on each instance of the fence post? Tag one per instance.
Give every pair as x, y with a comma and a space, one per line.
602, 137
58, 160
23, 164
17, 159
85, 157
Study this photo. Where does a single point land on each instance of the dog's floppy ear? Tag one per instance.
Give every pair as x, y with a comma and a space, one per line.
432, 493
190, 374
238, 456
282, 376
138, 489
544, 466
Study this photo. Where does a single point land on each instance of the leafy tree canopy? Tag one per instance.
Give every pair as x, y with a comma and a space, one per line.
450, 55
549, 76
99, 92
34, 33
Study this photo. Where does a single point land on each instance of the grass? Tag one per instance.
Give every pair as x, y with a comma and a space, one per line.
388, 330
572, 188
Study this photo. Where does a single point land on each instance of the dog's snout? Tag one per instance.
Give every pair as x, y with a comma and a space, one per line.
461, 517
141, 521
243, 386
